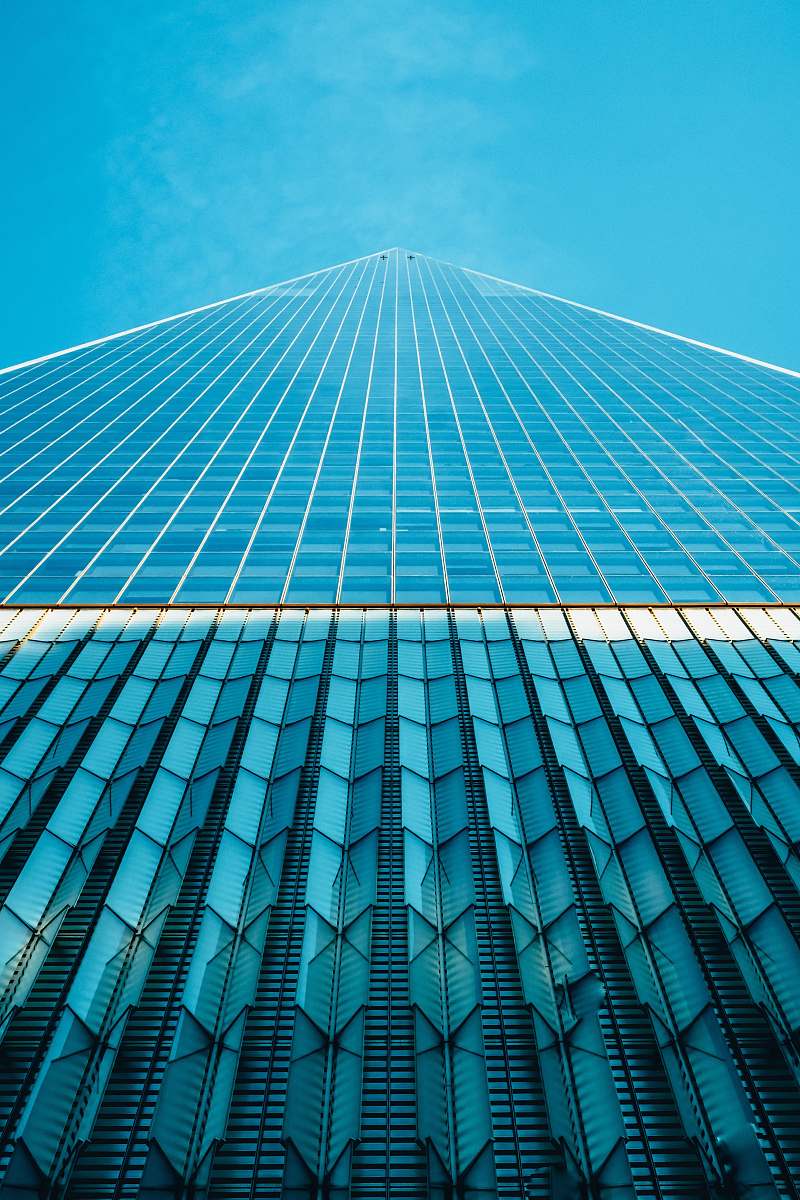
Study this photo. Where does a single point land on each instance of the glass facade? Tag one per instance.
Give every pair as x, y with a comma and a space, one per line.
459, 858
398, 430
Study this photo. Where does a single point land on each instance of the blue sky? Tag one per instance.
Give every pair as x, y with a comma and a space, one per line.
639, 156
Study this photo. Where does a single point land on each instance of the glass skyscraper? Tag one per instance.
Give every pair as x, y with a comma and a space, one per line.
399, 753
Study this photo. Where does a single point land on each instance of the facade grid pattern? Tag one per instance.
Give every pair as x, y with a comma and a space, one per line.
397, 429
399, 754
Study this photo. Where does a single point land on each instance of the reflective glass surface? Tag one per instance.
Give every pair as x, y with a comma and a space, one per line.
398, 429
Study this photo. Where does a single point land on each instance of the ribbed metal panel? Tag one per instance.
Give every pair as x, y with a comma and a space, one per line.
436, 901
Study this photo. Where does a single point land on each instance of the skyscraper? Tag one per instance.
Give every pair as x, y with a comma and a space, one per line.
399, 758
